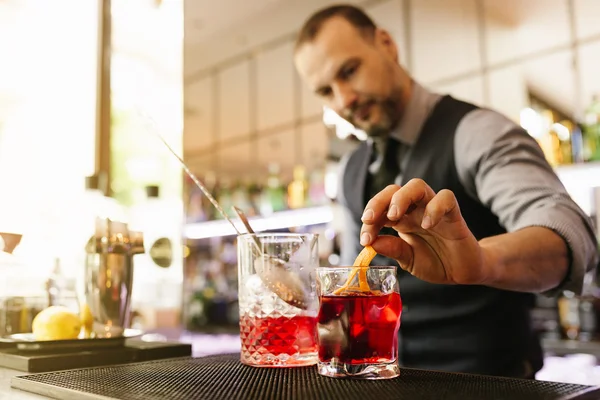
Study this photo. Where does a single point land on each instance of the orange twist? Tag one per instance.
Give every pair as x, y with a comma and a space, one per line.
362, 261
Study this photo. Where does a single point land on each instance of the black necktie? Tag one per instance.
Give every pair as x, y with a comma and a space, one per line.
388, 169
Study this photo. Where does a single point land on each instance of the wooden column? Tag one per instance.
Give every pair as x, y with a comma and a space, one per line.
103, 103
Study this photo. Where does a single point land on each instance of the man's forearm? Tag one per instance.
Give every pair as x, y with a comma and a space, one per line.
533, 259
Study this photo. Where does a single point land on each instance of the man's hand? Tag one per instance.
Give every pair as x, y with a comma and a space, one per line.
434, 242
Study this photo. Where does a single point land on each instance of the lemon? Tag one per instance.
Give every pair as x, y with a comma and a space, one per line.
56, 323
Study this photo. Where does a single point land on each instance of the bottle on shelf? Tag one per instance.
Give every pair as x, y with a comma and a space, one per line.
589, 308
555, 140
298, 189
224, 195
591, 131
198, 207
274, 194
254, 194
316, 190
240, 197
577, 150
93, 204
97, 204
158, 273
568, 312
564, 131
546, 137
559, 138
545, 318
55, 284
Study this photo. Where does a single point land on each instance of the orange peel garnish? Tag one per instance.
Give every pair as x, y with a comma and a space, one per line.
361, 263
365, 257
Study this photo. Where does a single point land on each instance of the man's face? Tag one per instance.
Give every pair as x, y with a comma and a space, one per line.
354, 75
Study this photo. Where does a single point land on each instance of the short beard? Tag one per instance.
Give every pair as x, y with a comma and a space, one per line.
389, 120
390, 115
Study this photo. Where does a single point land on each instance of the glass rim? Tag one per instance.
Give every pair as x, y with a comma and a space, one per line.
344, 267
277, 234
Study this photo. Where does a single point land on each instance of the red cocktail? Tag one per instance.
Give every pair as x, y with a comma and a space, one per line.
357, 327
280, 336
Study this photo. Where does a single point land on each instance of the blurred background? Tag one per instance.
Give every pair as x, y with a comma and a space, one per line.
79, 78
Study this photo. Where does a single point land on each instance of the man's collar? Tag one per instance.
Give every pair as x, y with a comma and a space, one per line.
419, 106
418, 109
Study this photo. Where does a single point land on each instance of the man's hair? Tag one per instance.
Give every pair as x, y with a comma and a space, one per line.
354, 15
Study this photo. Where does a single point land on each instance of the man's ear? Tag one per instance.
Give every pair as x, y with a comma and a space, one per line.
385, 41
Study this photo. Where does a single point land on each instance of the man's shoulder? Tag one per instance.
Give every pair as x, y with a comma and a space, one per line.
483, 117
480, 134
481, 127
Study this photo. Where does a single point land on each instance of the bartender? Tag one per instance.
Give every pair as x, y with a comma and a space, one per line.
459, 196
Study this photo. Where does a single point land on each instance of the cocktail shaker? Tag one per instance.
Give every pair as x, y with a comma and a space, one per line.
108, 278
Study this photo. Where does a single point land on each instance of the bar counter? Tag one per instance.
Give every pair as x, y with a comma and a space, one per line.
224, 377
8, 393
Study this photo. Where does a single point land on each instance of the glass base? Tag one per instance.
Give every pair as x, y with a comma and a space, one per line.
336, 369
279, 361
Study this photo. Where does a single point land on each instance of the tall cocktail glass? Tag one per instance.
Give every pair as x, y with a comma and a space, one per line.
277, 331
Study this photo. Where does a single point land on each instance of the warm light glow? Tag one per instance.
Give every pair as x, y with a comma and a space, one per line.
147, 70
47, 123
343, 128
532, 122
580, 180
562, 131
331, 180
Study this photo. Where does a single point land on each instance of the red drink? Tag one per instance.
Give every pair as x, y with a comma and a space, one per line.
273, 341
360, 328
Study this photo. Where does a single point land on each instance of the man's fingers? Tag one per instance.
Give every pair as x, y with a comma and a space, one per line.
378, 205
396, 248
415, 193
442, 207
390, 205
374, 217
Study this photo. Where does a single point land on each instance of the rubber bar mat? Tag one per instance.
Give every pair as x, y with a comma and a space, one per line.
224, 377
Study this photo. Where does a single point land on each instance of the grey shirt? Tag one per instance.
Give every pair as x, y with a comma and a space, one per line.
506, 171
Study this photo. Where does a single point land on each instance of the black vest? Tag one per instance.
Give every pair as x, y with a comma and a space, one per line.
461, 328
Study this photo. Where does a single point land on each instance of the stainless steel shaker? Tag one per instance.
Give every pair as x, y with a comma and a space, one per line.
108, 278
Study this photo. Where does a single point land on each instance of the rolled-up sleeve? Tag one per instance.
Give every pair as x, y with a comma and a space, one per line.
504, 167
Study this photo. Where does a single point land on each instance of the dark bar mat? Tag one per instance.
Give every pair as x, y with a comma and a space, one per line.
224, 377
133, 351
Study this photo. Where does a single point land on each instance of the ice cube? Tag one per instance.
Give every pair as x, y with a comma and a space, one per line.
262, 302
302, 260
334, 334
389, 283
254, 286
301, 255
